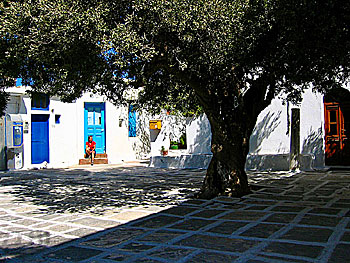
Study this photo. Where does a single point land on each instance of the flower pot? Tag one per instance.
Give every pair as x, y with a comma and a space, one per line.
174, 147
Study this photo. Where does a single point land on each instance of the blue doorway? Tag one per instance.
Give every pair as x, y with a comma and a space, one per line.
94, 119
40, 138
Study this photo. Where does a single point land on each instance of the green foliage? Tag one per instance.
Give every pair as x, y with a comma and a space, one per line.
57, 45
183, 139
186, 55
3, 102
226, 58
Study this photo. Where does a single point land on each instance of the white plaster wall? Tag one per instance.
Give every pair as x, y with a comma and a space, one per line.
118, 144
21, 105
62, 139
63, 135
27, 139
312, 127
162, 140
270, 139
172, 129
66, 139
270, 135
198, 135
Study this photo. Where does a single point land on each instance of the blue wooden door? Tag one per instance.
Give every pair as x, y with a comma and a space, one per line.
40, 138
94, 115
132, 121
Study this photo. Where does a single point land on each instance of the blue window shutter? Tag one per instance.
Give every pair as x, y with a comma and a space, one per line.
132, 122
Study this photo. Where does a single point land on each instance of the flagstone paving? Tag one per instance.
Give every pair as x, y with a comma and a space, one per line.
140, 214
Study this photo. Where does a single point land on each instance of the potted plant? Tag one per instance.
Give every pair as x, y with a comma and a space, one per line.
163, 151
174, 145
182, 143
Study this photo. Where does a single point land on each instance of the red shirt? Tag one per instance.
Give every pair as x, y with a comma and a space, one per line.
91, 145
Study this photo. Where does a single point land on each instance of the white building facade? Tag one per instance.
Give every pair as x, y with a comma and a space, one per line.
318, 138
55, 133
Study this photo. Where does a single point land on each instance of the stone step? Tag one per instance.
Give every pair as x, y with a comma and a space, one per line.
98, 155
96, 161
101, 155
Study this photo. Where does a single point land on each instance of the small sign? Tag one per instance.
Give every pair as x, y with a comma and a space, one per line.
26, 127
155, 124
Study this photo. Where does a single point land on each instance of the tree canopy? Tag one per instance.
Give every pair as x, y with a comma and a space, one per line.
228, 58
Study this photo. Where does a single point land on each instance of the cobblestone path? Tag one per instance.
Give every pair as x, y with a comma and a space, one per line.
146, 215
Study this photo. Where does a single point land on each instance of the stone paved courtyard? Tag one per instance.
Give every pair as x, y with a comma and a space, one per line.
140, 214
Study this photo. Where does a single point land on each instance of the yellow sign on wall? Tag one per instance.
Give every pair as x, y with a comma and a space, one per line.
155, 124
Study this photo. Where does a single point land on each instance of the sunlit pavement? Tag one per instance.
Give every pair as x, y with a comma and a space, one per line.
140, 214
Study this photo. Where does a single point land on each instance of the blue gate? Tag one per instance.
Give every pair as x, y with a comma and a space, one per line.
94, 118
40, 138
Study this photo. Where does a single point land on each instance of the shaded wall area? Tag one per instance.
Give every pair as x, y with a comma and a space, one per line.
270, 141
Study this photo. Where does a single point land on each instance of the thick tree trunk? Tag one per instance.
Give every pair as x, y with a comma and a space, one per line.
232, 114
226, 174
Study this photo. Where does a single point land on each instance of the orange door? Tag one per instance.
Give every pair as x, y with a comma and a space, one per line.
337, 152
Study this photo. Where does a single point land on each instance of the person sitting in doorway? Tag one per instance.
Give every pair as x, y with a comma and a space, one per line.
90, 149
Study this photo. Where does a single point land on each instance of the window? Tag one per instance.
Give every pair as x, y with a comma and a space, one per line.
40, 101
57, 119
333, 123
132, 121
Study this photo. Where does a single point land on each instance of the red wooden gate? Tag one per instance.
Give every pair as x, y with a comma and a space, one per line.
337, 134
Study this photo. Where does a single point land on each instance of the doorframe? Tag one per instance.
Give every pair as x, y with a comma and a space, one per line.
338, 100
103, 120
48, 136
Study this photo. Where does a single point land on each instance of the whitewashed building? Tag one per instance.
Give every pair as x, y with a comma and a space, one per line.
312, 135
55, 133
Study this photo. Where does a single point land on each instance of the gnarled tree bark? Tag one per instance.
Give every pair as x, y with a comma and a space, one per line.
226, 172
231, 127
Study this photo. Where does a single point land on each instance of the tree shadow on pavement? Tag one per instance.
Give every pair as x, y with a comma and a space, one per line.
60, 190
219, 230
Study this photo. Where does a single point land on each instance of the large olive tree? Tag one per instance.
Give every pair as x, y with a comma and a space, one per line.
226, 58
